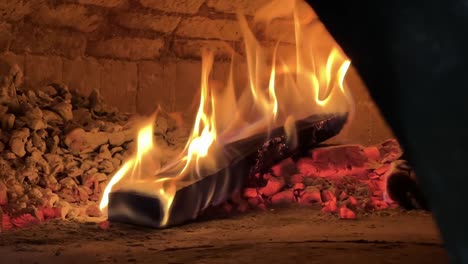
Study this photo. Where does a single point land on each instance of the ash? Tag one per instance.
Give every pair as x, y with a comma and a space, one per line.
58, 150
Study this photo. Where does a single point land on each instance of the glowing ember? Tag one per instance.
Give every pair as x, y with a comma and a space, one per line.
283, 88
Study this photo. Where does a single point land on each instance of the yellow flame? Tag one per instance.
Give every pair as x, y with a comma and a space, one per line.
204, 130
273, 106
144, 145
115, 179
328, 86
257, 67
305, 82
144, 141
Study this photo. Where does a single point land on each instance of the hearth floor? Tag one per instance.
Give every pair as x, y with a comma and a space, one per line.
292, 235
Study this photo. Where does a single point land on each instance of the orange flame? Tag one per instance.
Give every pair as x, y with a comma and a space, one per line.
204, 130
282, 88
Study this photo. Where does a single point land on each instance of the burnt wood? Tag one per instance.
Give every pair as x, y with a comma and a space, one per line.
246, 156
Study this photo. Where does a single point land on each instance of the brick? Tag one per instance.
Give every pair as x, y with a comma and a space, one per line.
155, 88
278, 25
82, 75
13, 59
68, 15
159, 23
192, 48
16, 10
126, 48
205, 28
316, 39
247, 7
119, 84
280, 30
286, 52
48, 41
5, 36
319, 39
103, 3
368, 127
187, 79
7, 62
176, 6
285, 10
379, 130
221, 72
42, 70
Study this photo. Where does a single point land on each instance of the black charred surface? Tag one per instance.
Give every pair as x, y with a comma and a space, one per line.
271, 151
251, 155
404, 190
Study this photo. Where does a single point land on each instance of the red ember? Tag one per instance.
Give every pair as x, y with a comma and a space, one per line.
346, 213
104, 225
350, 178
24, 220
6, 223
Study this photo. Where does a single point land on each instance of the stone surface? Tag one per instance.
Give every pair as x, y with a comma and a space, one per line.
18, 140
119, 84
126, 48
187, 89
5, 36
367, 126
284, 10
176, 6
296, 235
42, 70
30, 38
221, 73
155, 87
49, 139
247, 7
280, 30
16, 10
83, 74
68, 15
179, 84
206, 28
159, 23
70, 33
104, 3
12, 59
192, 48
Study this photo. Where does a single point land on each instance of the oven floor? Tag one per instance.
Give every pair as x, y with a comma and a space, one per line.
293, 235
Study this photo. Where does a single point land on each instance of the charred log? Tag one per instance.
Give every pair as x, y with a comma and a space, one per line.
403, 188
247, 156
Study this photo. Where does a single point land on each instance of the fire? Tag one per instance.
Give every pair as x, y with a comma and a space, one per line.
145, 144
282, 88
204, 130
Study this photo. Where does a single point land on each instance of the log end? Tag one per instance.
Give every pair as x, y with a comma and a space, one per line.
135, 208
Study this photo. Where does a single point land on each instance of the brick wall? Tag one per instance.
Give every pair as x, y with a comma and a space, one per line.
141, 53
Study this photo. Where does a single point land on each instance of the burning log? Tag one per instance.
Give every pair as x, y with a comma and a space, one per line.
250, 156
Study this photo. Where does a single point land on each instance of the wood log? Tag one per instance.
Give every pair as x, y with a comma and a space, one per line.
246, 157
402, 186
